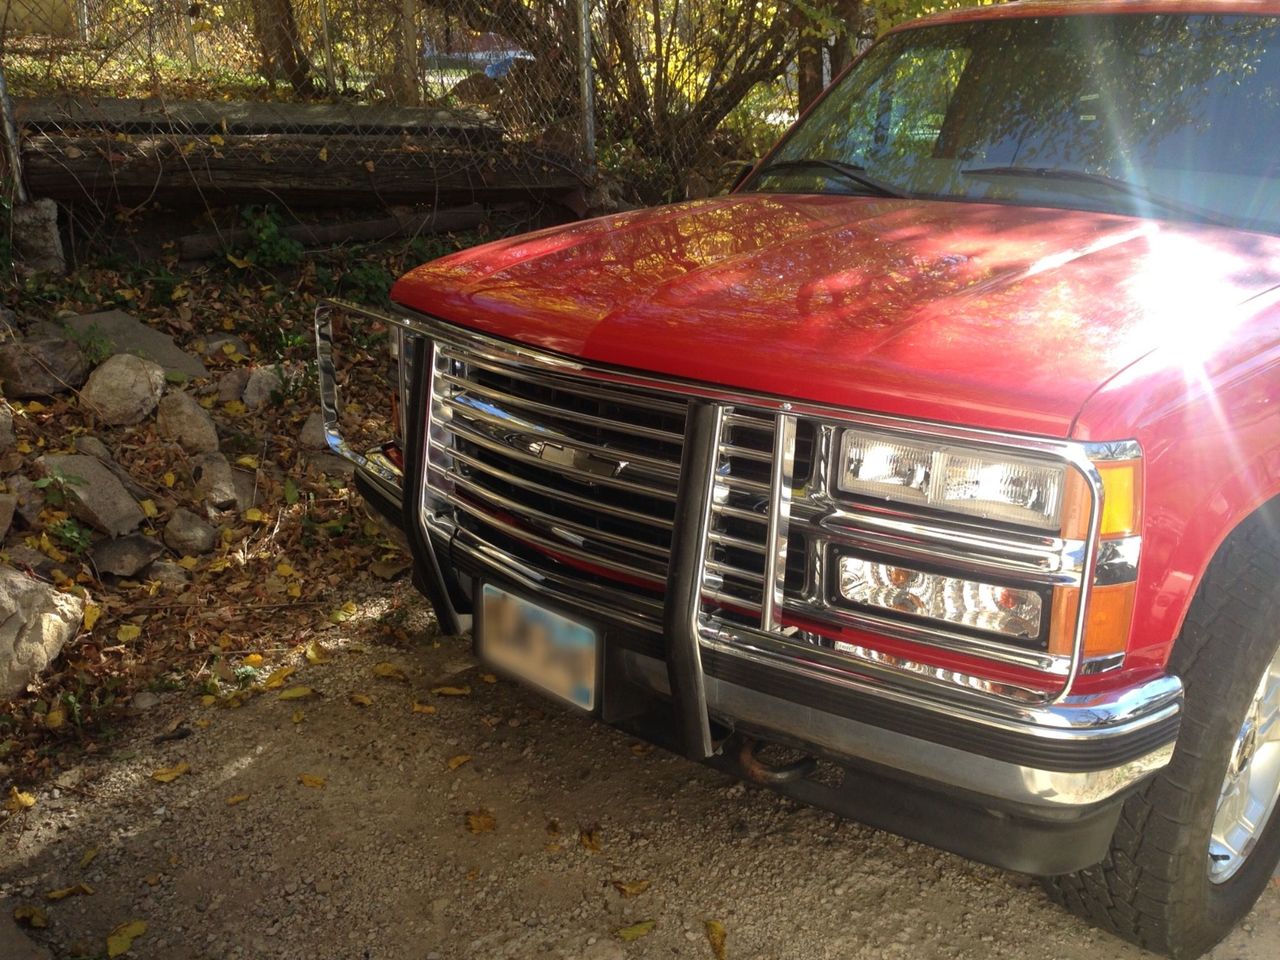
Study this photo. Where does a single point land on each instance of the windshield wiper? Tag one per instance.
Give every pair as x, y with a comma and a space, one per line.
1129, 187
848, 171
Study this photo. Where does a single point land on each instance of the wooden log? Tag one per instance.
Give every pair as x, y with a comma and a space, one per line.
202, 246
190, 170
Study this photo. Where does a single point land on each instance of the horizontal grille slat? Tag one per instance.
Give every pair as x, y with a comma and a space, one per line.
580, 387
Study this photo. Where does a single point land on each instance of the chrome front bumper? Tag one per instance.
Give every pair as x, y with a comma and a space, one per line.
1076, 752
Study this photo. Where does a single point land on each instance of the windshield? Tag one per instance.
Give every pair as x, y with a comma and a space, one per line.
1167, 116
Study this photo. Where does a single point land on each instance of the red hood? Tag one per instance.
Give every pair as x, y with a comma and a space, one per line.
988, 315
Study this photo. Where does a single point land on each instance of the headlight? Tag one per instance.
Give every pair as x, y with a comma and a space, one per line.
974, 482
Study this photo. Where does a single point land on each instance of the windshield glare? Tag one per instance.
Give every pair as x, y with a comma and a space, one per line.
1168, 116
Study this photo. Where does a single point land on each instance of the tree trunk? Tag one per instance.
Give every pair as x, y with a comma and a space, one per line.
277, 32
808, 61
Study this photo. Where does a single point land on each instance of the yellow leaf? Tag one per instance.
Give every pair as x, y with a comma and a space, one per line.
297, 693
121, 938
34, 406
149, 508
128, 632
489, 678
17, 800
235, 407
297, 716
451, 691
237, 799
22, 446
72, 891
216, 139
89, 856
208, 699
91, 614
203, 723
459, 760
389, 671
254, 515
285, 570
480, 821
169, 774
31, 915
361, 699
168, 479
189, 563
323, 155
252, 660
278, 677
294, 590
316, 654
55, 718
590, 839
631, 888
635, 931
343, 613
248, 462
423, 707
716, 936
311, 780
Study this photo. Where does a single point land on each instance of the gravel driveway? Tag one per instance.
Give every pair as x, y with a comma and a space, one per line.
488, 823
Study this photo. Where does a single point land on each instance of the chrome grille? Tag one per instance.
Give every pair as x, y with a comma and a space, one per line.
582, 471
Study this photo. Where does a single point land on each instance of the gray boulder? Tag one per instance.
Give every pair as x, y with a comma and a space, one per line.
30, 499
124, 390
186, 534
115, 331
181, 419
7, 437
312, 434
168, 573
125, 556
231, 386
93, 447
215, 483
41, 368
263, 382
94, 494
37, 244
35, 622
8, 504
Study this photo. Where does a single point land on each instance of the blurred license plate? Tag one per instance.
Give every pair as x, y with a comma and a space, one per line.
529, 641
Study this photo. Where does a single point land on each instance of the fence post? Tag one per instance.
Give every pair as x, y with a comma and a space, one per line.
327, 39
9, 133
587, 82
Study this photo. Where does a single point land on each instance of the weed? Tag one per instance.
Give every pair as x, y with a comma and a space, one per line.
56, 486
71, 535
94, 344
268, 246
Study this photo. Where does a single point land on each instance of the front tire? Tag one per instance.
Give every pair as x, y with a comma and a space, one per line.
1197, 845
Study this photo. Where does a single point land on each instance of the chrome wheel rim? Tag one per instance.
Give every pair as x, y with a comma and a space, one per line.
1252, 785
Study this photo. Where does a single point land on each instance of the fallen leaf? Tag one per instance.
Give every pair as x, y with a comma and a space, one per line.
361, 699
451, 691
151, 879
189, 563
247, 461
423, 707
254, 515
343, 613
480, 821
641, 749
236, 408
55, 718
590, 839
169, 774
311, 780
252, 660
389, 569
297, 716
716, 936
31, 915
459, 760
79, 889
290, 491
17, 800
121, 938
285, 570
168, 478
149, 509
631, 888
128, 632
91, 614
88, 857
317, 654
489, 678
237, 799
635, 931
389, 671
203, 723
323, 155
277, 677
297, 693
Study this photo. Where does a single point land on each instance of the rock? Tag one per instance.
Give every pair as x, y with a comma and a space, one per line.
187, 535
167, 572
16, 945
331, 464
248, 493
93, 447
37, 244
124, 390
231, 386
35, 621
143, 701
30, 499
25, 558
224, 345
312, 434
41, 368
215, 483
180, 418
8, 504
94, 493
115, 331
7, 437
263, 382
125, 556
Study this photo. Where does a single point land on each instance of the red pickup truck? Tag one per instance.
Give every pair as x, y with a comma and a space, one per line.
930, 476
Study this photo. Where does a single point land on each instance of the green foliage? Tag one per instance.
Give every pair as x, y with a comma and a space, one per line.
268, 246
368, 281
71, 535
56, 486
93, 343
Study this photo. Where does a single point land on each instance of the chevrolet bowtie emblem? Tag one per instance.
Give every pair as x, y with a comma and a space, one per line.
584, 461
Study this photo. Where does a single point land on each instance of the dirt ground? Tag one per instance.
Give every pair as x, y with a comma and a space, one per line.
499, 825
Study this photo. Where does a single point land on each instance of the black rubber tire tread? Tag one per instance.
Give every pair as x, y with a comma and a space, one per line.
1153, 888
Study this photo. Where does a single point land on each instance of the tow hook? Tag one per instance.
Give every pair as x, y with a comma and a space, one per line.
757, 771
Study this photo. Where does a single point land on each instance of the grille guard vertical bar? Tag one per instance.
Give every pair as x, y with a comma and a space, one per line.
682, 612
781, 480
